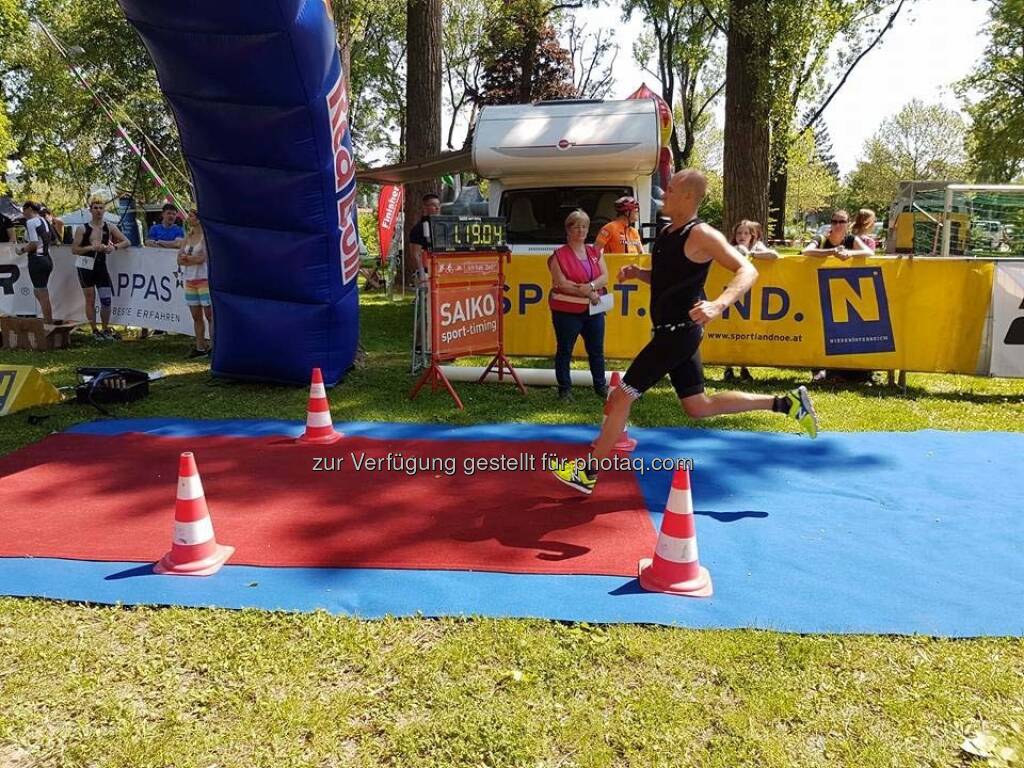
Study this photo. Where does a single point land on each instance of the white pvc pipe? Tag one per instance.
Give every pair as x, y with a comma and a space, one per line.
531, 377
986, 187
947, 224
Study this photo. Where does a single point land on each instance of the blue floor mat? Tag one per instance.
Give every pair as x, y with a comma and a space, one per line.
865, 532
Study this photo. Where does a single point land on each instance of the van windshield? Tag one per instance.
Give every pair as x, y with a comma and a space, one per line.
538, 215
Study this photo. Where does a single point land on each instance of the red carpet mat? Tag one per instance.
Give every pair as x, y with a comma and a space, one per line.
112, 498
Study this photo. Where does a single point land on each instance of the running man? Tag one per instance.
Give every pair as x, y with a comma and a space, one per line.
680, 261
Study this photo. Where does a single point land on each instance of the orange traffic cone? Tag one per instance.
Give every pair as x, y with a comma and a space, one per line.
319, 429
675, 567
625, 443
194, 549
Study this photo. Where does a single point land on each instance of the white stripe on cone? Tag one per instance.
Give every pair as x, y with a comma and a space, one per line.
680, 501
189, 488
196, 532
676, 550
318, 418
317, 391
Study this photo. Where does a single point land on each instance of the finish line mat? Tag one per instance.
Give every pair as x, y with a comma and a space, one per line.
894, 533
364, 502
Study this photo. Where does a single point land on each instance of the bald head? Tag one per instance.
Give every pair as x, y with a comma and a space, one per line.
691, 182
686, 190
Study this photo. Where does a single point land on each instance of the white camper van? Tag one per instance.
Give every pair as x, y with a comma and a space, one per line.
546, 159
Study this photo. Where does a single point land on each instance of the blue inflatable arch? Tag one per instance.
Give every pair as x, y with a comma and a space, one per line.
260, 100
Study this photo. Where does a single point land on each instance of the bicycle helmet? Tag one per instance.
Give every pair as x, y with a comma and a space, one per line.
626, 204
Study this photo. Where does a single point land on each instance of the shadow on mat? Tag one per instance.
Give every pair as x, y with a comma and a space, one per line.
731, 517
130, 573
537, 521
631, 587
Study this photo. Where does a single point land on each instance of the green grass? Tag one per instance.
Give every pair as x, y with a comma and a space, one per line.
129, 687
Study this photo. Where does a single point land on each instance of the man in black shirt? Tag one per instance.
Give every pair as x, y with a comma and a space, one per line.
417, 239
418, 242
680, 261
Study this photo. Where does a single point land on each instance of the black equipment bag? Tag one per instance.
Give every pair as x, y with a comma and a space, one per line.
111, 385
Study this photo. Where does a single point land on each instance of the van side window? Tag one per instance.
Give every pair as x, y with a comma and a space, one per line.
538, 215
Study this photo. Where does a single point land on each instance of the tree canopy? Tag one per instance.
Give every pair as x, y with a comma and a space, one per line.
791, 57
522, 57
63, 140
922, 142
997, 148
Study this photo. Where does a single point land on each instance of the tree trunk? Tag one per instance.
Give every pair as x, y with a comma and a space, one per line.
777, 185
687, 89
423, 103
777, 188
778, 179
345, 51
527, 63
746, 152
680, 155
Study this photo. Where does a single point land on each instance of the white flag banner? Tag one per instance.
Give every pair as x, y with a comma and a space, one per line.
147, 286
1008, 320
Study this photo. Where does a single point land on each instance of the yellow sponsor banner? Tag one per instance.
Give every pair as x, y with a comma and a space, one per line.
877, 313
528, 329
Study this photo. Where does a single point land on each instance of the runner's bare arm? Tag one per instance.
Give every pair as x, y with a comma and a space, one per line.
78, 245
633, 272
708, 244
118, 239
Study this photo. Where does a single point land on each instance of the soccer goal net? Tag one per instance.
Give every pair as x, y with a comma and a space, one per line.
981, 221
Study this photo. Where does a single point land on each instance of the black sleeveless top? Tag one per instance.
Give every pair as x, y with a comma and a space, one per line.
100, 256
676, 282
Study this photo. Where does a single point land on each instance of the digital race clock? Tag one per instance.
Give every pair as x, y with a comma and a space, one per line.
467, 233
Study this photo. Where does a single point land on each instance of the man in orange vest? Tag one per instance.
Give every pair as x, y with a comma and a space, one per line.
620, 235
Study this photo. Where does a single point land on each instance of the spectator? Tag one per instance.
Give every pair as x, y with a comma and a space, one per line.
578, 279
40, 265
55, 225
430, 206
837, 241
844, 245
193, 258
417, 237
620, 235
168, 233
746, 237
92, 242
864, 228
165, 234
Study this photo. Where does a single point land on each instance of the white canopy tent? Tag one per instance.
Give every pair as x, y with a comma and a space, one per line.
82, 215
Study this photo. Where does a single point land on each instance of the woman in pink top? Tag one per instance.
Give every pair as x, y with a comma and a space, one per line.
864, 227
578, 279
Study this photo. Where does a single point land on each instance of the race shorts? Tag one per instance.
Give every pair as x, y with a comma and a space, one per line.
97, 277
197, 293
673, 352
39, 269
